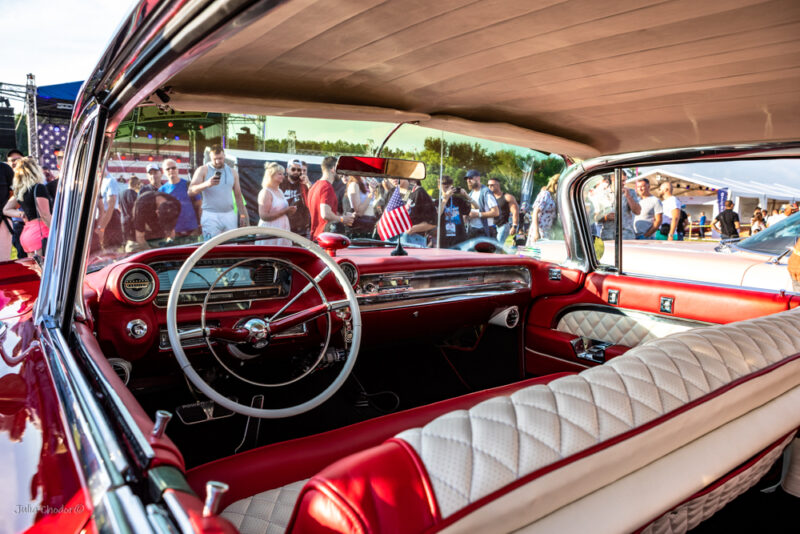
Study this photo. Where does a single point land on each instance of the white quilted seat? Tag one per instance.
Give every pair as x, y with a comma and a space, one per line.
672, 416
626, 328
265, 513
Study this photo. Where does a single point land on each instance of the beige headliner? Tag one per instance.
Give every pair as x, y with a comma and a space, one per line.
580, 76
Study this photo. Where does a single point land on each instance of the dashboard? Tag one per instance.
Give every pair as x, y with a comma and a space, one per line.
428, 292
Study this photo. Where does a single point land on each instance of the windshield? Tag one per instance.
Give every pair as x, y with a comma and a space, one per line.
180, 178
776, 238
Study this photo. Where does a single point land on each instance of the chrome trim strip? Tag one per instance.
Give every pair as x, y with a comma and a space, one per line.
64, 250
416, 294
94, 467
178, 513
100, 472
135, 514
131, 426
429, 300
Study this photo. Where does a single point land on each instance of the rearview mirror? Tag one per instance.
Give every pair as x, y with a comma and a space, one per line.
380, 167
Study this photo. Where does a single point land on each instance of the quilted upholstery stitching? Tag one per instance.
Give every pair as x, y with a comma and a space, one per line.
520, 432
264, 513
576, 412
629, 330
690, 514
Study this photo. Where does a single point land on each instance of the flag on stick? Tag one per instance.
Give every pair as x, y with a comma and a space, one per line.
395, 219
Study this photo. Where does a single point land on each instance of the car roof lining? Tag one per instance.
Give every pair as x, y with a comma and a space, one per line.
580, 77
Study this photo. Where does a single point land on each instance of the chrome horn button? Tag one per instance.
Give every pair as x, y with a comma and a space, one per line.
259, 332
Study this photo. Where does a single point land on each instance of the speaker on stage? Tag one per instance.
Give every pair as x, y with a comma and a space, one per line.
7, 137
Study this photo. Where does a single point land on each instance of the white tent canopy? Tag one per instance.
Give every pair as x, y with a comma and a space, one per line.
764, 183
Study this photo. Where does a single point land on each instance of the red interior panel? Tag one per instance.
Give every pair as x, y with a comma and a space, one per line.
690, 301
165, 450
571, 279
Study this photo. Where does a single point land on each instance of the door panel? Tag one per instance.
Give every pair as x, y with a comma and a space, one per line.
554, 320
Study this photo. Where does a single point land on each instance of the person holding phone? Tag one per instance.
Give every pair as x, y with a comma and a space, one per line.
215, 182
295, 190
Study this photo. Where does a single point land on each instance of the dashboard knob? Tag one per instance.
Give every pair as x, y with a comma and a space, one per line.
137, 329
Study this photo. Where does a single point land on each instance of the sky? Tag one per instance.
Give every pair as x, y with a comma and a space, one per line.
57, 41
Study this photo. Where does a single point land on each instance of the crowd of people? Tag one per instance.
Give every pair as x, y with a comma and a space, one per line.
165, 208
659, 216
146, 213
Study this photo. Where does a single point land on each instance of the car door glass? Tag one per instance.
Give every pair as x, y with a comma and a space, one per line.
730, 223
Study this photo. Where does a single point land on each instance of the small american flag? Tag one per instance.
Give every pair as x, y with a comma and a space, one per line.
395, 219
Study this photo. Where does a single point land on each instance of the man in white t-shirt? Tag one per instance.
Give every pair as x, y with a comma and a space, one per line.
648, 220
671, 216
481, 219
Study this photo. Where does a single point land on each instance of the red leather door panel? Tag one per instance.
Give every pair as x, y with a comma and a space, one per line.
689, 301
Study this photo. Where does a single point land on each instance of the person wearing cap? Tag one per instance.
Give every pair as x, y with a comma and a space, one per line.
219, 185
155, 215
295, 191
482, 218
154, 175
186, 225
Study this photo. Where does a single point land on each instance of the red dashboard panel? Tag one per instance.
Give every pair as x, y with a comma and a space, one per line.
112, 313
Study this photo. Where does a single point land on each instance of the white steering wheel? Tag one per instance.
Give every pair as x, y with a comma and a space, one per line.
259, 331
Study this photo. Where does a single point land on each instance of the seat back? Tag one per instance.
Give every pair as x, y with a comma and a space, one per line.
672, 415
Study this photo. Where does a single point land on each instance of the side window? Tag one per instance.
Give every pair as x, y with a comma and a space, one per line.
732, 223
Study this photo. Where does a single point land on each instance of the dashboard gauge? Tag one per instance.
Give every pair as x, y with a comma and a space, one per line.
351, 271
137, 285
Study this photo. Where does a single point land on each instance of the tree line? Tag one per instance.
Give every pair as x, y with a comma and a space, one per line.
507, 166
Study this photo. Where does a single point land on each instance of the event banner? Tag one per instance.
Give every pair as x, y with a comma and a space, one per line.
722, 196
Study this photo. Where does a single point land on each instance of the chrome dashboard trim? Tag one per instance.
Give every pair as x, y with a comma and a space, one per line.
165, 292
394, 293
415, 300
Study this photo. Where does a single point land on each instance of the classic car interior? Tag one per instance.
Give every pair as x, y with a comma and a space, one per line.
332, 387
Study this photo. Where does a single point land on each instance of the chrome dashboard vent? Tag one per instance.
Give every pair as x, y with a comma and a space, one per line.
137, 285
264, 274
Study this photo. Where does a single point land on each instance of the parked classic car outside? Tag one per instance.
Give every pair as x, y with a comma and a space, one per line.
759, 261
231, 385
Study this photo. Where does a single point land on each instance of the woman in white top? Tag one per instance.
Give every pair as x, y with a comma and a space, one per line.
362, 203
273, 209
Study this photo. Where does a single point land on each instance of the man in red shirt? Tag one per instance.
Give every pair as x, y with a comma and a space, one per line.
322, 203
